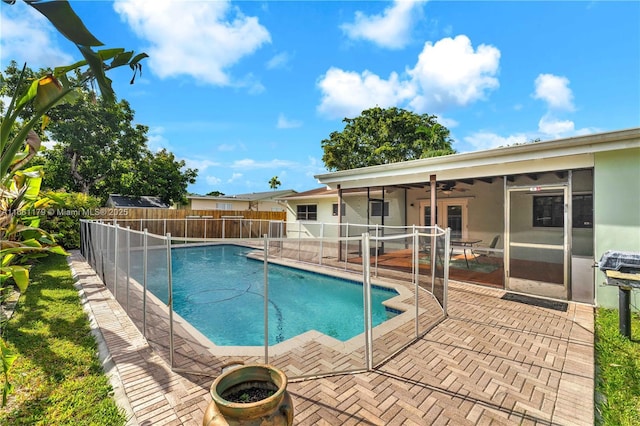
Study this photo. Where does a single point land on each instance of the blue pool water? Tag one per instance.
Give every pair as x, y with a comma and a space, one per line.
219, 291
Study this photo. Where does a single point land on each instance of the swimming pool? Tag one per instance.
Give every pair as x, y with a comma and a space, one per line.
219, 291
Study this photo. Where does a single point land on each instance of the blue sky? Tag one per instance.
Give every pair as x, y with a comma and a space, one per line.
244, 91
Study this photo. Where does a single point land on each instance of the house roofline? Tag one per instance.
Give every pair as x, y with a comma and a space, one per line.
574, 146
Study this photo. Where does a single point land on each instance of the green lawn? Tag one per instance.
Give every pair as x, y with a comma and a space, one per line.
618, 371
58, 378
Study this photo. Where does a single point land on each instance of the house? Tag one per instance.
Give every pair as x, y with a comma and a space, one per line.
126, 201
553, 207
257, 201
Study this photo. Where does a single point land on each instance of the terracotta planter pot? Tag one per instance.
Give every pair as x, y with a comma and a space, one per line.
275, 410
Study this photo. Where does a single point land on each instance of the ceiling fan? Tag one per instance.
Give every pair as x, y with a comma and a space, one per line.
447, 187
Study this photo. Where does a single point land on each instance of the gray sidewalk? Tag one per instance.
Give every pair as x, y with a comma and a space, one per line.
492, 361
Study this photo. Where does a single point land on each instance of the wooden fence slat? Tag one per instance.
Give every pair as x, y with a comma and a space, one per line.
193, 221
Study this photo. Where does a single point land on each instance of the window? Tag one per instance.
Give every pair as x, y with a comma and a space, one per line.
307, 212
582, 211
548, 211
224, 206
335, 209
376, 208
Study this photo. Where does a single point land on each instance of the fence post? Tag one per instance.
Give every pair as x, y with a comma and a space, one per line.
144, 283
434, 256
266, 298
128, 265
447, 252
366, 290
115, 261
170, 299
416, 270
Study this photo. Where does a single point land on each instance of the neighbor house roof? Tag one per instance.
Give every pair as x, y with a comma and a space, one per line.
312, 193
253, 196
570, 153
145, 201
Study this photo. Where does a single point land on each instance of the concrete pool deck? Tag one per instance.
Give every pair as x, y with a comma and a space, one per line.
491, 361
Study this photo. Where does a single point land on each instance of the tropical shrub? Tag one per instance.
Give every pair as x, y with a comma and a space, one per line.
64, 214
21, 239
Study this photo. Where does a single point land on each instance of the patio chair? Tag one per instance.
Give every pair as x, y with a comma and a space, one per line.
489, 250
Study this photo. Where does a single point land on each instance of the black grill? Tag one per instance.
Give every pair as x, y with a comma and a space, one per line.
622, 270
623, 261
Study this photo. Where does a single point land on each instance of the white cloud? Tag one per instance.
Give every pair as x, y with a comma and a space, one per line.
156, 140
201, 165
554, 90
27, 36
212, 180
451, 72
285, 123
278, 61
391, 29
250, 164
346, 93
486, 140
201, 39
551, 126
447, 73
449, 123
234, 177
226, 147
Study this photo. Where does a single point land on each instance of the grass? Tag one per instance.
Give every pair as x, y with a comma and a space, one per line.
58, 378
617, 370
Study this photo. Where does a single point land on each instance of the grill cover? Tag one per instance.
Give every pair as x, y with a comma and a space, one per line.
620, 261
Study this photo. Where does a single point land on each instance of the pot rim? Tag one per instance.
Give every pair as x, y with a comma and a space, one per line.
252, 373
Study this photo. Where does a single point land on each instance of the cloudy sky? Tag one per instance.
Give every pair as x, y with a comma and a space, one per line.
244, 91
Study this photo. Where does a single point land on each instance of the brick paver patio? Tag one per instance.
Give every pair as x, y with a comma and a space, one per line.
492, 361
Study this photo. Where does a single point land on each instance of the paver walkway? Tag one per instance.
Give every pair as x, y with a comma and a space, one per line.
492, 361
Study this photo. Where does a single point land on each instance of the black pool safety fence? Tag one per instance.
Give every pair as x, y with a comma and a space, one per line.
400, 274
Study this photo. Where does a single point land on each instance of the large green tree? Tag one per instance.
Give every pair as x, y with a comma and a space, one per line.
100, 150
383, 136
96, 143
166, 177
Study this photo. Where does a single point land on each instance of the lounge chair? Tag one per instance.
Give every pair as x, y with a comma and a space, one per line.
489, 250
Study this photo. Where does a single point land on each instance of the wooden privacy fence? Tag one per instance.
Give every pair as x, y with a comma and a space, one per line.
198, 223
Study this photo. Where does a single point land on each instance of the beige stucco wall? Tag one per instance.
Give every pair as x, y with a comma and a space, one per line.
616, 214
265, 206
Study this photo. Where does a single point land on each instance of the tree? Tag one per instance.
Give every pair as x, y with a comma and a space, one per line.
100, 150
166, 179
274, 183
215, 194
383, 136
97, 146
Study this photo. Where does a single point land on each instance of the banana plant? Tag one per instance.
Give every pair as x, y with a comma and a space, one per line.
21, 238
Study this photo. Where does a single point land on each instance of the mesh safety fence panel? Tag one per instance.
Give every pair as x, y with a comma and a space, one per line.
155, 316
405, 261
121, 266
134, 303
315, 321
181, 299
109, 256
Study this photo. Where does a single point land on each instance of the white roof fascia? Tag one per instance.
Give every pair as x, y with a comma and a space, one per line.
529, 158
